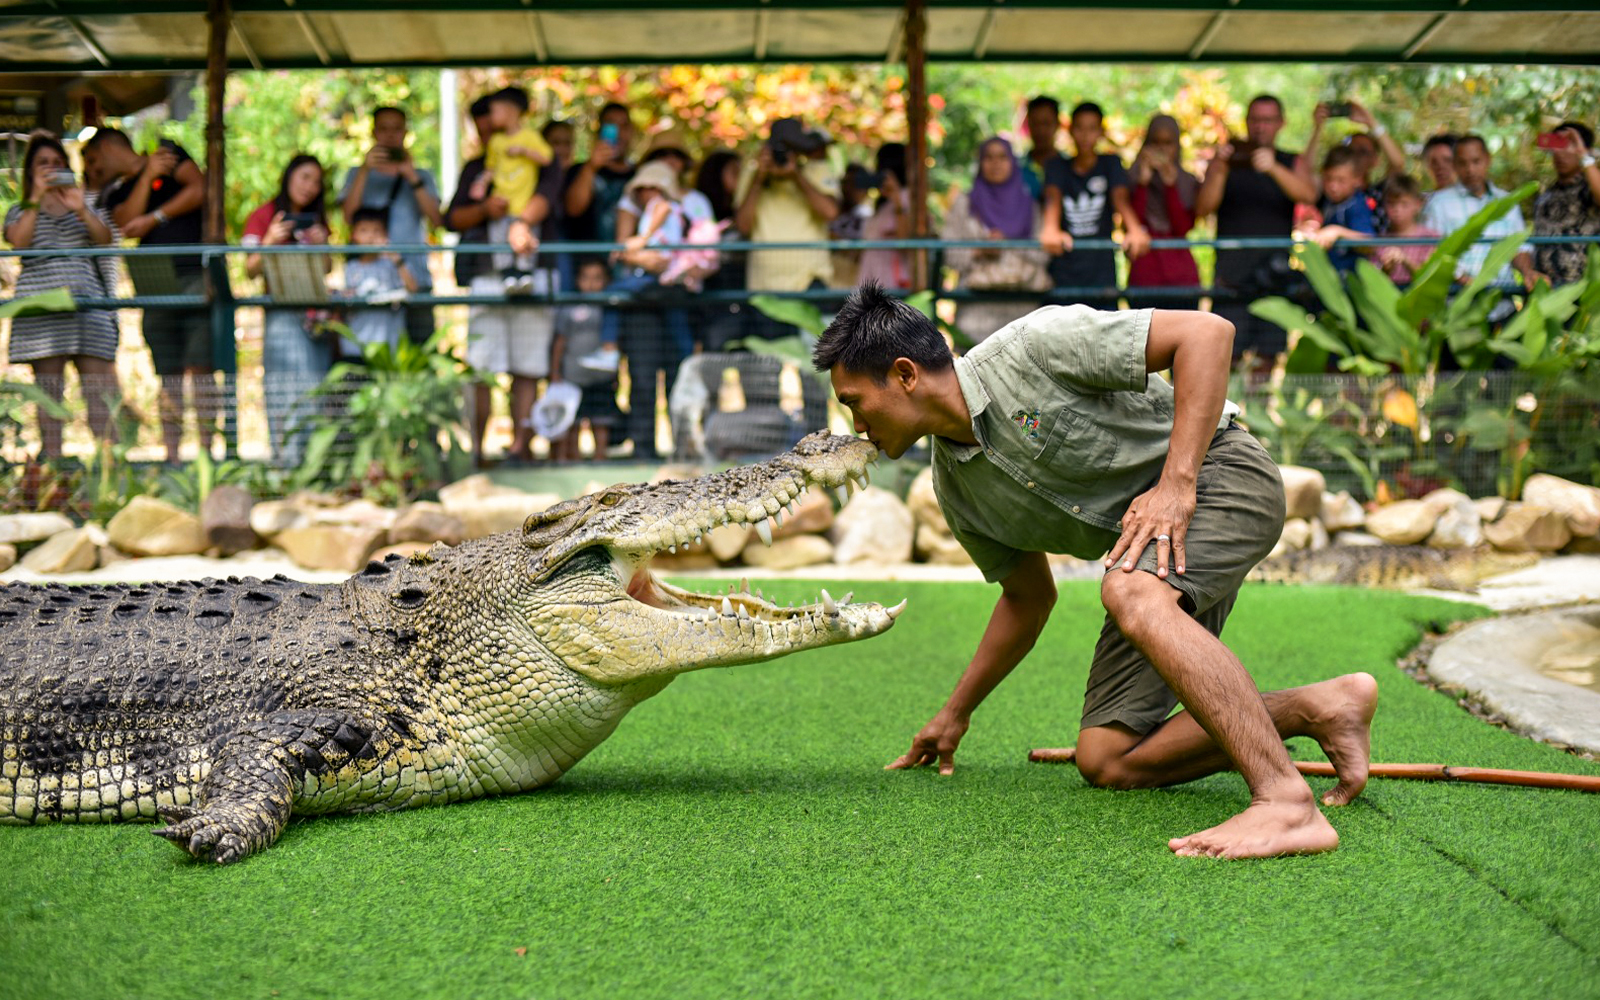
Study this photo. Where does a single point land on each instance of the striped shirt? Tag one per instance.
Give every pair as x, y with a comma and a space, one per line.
91, 332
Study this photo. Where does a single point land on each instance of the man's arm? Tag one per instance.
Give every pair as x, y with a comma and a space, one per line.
1026, 597
191, 196
1198, 347
823, 205
1209, 197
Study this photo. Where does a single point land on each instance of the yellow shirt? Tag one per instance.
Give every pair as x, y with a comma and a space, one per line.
516, 177
784, 216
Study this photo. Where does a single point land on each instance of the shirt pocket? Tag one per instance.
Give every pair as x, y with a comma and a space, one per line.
1077, 448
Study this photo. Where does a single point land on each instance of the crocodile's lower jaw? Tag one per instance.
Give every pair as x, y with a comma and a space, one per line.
740, 602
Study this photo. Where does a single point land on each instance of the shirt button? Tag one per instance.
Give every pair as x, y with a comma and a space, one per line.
1030, 486
1076, 509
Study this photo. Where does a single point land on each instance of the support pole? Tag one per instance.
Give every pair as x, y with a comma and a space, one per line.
917, 116
224, 353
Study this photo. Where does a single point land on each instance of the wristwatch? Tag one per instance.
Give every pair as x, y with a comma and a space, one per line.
1587, 161
160, 217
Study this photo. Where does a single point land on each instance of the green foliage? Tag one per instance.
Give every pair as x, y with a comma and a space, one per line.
189, 485
392, 425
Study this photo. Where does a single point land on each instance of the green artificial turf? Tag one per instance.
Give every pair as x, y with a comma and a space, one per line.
738, 837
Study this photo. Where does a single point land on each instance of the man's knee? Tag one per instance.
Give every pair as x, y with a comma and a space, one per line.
1107, 771
1134, 600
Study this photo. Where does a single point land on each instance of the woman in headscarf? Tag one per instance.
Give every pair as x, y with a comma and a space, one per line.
1163, 198
998, 207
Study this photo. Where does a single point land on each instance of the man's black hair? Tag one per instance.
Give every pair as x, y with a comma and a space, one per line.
1045, 101
1271, 99
611, 106
1341, 156
1087, 107
872, 329
554, 125
370, 214
1472, 137
1442, 139
116, 137
388, 109
512, 95
480, 107
1584, 131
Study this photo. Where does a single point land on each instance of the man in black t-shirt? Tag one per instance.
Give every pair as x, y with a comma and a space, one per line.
1081, 197
595, 186
1253, 188
158, 199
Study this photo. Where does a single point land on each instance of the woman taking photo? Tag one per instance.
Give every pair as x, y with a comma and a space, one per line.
53, 216
998, 207
1163, 199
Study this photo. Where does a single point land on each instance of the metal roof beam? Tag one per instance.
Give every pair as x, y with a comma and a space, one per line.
119, 8
1422, 38
249, 50
85, 39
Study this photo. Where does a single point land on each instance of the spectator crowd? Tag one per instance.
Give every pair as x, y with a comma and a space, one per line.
669, 212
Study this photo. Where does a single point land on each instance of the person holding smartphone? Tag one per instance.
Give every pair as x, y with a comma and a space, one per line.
389, 180
594, 187
1569, 205
53, 216
294, 358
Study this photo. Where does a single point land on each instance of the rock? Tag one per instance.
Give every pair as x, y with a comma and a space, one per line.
1444, 498
1459, 526
1404, 522
876, 527
492, 513
269, 517
404, 550
110, 556
471, 488
344, 547
939, 547
1490, 508
151, 527
1319, 537
358, 513
225, 518
8, 556
427, 522
924, 503
1296, 533
1341, 511
1580, 504
1356, 538
64, 552
789, 553
1527, 527
813, 517
1302, 490
15, 528
725, 543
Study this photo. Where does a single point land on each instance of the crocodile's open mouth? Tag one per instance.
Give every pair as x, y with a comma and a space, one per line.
739, 602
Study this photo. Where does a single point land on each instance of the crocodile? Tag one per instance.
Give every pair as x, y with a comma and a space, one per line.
1397, 567
223, 707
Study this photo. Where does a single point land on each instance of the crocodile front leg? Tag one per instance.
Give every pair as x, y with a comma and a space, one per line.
246, 799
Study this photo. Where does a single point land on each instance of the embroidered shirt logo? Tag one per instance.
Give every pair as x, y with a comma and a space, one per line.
1028, 420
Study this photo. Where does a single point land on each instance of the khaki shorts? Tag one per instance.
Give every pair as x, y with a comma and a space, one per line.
515, 339
1238, 518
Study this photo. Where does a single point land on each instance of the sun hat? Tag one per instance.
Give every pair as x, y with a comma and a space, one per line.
658, 175
554, 413
667, 139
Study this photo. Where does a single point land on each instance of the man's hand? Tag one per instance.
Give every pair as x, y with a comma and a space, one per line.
1135, 241
140, 227
496, 207
521, 237
1162, 515
162, 162
1056, 243
936, 743
1263, 159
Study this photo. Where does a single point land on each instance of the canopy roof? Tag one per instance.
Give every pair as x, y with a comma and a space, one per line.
170, 35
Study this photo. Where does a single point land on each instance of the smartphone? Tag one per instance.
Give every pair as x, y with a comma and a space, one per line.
609, 133
1551, 140
300, 220
1338, 109
396, 154
63, 178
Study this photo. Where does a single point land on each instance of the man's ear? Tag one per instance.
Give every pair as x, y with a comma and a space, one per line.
905, 374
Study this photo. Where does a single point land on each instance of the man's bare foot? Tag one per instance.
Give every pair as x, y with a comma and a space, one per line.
1270, 828
1344, 731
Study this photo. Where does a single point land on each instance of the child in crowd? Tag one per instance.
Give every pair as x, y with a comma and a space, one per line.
378, 278
1403, 196
1345, 207
514, 154
577, 333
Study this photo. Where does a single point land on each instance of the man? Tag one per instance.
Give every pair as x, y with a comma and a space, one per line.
594, 187
1570, 206
788, 195
1366, 147
1253, 190
1043, 123
1449, 210
1055, 435
1439, 159
388, 179
512, 339
1081, 196
158, 199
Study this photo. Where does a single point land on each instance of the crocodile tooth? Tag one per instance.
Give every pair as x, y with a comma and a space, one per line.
777, 519
727, 606
764, 531
866, 475
847, 595
744, 584
758, 595
742, 612
828, 606
843, 493
894, 612
672, 549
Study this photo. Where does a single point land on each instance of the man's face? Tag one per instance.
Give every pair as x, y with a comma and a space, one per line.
562, 141
1441, 163
103, 162
1472, 166
1087, 131
484, 126
887, 414
1263, 120
389, 129
1043, 124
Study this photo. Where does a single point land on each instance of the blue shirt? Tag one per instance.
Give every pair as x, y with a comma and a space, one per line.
1355, 214
378, 324
407, 224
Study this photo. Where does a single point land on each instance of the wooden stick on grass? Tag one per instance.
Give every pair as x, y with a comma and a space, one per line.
1421, 772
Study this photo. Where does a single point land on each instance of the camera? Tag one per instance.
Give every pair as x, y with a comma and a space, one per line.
300, 220
790, 136
62, 179
1243, 150
396, 154
1338, 109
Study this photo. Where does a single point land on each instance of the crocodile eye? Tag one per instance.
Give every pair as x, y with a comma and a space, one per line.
610, 499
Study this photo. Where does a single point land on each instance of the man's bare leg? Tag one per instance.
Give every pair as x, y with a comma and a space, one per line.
480, 402
524, 392
1337, 713
1282, 817
170, 405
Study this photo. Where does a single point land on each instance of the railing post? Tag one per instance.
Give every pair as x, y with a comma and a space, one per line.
224, 349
